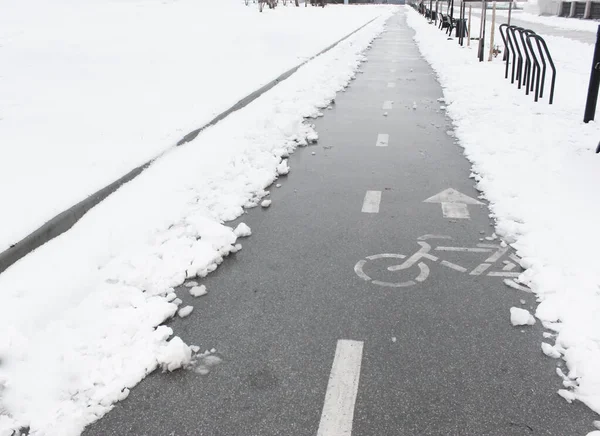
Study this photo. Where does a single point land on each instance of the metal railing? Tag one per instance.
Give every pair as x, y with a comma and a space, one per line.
529, 61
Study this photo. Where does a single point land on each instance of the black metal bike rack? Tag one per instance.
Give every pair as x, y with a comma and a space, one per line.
529, 62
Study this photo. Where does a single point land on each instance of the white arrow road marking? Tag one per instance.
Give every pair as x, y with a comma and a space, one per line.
338, 410
454, 204
455, 210
382, 140
388, 105
371, 202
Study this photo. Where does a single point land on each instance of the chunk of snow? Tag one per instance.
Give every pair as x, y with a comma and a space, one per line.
597, 424
550, 350
265, 203
171, 296
567, 395
520, 316
213, 350
177, 301
594, 433
283, 168
190, 284
174, 354
242, 230
547, 335
185, 311
385, 114
197, 291
278, 185
394, 339
313, 153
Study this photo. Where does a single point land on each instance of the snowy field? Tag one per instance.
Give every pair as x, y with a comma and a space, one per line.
80, 317
91, 89
536, 165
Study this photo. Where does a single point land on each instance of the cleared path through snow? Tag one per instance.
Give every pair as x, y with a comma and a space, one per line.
408, 281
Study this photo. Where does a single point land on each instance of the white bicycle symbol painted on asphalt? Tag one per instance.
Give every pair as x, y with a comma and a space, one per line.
423, 254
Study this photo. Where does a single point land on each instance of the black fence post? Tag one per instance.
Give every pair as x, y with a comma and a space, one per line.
592, 97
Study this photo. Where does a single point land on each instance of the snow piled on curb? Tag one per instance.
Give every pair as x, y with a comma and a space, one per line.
75, 341
535, 163
80, 103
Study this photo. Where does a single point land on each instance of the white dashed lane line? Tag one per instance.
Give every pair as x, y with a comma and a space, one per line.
371, 202
383, 140
338, 409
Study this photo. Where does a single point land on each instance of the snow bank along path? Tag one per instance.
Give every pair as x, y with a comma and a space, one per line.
80, 106
81, 316
66, 219
535, 164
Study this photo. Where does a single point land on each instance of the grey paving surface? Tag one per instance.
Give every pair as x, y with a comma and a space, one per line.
277, 308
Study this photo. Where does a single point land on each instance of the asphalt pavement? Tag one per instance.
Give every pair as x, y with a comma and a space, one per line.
318, 337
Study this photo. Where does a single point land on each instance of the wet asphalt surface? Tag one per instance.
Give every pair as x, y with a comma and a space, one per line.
440, 357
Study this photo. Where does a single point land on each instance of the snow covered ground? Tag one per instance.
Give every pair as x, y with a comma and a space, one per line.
80, 317
536, 165
91, 89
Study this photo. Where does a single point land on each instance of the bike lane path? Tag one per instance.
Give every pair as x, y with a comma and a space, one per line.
438, 357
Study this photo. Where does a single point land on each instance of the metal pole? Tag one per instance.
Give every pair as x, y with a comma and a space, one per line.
481, 48
469, 27
492, 32
451, 10
592, 97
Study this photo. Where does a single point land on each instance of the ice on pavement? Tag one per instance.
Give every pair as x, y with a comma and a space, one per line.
242, 230
541, 183
106, 280
198, 291
520, 316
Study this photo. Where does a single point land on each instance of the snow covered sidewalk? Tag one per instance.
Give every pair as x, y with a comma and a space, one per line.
80, 317
89, 90
536, 166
